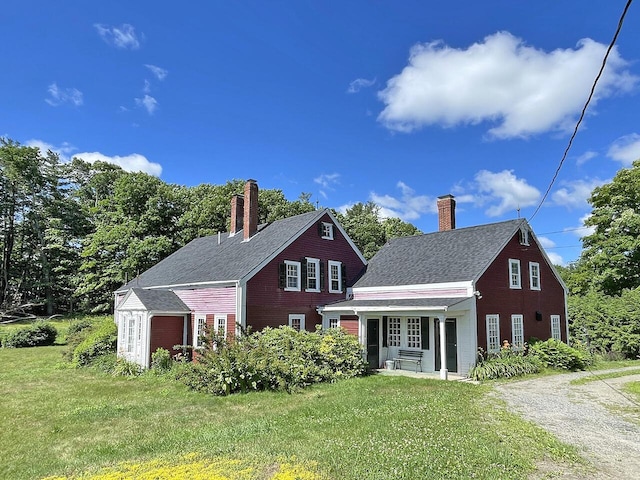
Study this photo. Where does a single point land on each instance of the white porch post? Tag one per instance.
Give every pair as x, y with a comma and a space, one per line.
444, 374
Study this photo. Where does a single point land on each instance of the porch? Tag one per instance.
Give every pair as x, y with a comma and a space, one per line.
454, 377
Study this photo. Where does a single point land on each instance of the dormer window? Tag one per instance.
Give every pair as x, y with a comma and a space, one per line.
524, 236
326, 230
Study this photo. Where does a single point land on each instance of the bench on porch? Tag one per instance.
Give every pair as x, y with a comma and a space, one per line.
414, 356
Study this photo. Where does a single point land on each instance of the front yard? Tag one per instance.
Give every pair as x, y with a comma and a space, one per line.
63, 421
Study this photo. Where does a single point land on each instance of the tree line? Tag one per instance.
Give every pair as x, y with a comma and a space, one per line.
73, 232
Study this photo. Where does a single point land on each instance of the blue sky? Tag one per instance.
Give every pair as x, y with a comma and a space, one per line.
397, 102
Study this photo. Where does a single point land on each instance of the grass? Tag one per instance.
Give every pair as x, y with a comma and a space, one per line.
604, 376
62, 421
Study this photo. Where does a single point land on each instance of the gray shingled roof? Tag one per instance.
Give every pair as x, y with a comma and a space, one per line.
206, 259
161, 300
450, 256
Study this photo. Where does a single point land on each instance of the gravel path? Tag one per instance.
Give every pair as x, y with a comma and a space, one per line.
604, 425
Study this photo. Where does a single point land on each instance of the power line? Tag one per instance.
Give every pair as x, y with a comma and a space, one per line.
584, 109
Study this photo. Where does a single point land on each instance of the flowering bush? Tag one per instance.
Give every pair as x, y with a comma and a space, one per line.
273, 359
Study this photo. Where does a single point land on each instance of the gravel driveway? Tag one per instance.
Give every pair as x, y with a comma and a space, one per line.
591, 416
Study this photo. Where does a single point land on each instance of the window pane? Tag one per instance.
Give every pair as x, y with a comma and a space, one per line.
394, 332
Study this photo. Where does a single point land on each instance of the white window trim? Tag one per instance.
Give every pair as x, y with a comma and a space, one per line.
287, 288
196, 333
531, 276
518, 285
517, 320
327, 231
394, 335
316, 262
524, 236
216, 324
416, 342
338, 266
493, 318
555, 327
337, 322
297, 316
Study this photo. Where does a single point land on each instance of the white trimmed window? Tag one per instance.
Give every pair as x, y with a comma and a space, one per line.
296, 321
220, 322
517, 331
199, 328
534, 276
413, 332
555, 327
335, 277
313, 275
327, 231
393, 331
333, 323
131, 333
524, 236
292, 276
493, 333
514, 273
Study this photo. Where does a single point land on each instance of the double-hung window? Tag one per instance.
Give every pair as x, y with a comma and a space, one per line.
493, 333
296, 321
335, 277
555, 327
313, 275
221, 325
517, 331
534, 276
292, 276
514, 274
199, 329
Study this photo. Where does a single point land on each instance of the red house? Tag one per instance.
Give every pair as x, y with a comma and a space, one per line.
485, 284
253, 276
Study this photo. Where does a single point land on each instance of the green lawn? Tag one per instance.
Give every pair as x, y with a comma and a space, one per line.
63, 421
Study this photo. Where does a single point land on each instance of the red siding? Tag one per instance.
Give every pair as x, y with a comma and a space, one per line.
350, 324
268, 305
166, 332
498, 298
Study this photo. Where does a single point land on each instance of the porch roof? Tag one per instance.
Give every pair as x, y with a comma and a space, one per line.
396, 304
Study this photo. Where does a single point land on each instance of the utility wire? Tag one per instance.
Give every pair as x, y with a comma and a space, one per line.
584, 109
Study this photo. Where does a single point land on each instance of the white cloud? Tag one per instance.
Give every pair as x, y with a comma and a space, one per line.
59, 96
131, 163
520, 89
585, 157
121, 37
159, 73
360, 83
575, 194
327, 180
146, 87
511, 192
63, 151
148, 102
408, 207
546, 242
625, 149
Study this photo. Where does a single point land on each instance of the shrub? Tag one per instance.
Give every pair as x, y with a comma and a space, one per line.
161, 360
77, 326
126, 368
35, 335
507, 363
100, 340
273, 359
556, 354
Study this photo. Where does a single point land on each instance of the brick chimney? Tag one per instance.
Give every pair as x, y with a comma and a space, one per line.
237, 214
446, 213
250, 226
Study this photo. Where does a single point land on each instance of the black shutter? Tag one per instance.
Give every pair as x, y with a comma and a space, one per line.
343, 277
322, 271
424, 332
384, 331
303, 273
320, 229
282, 279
